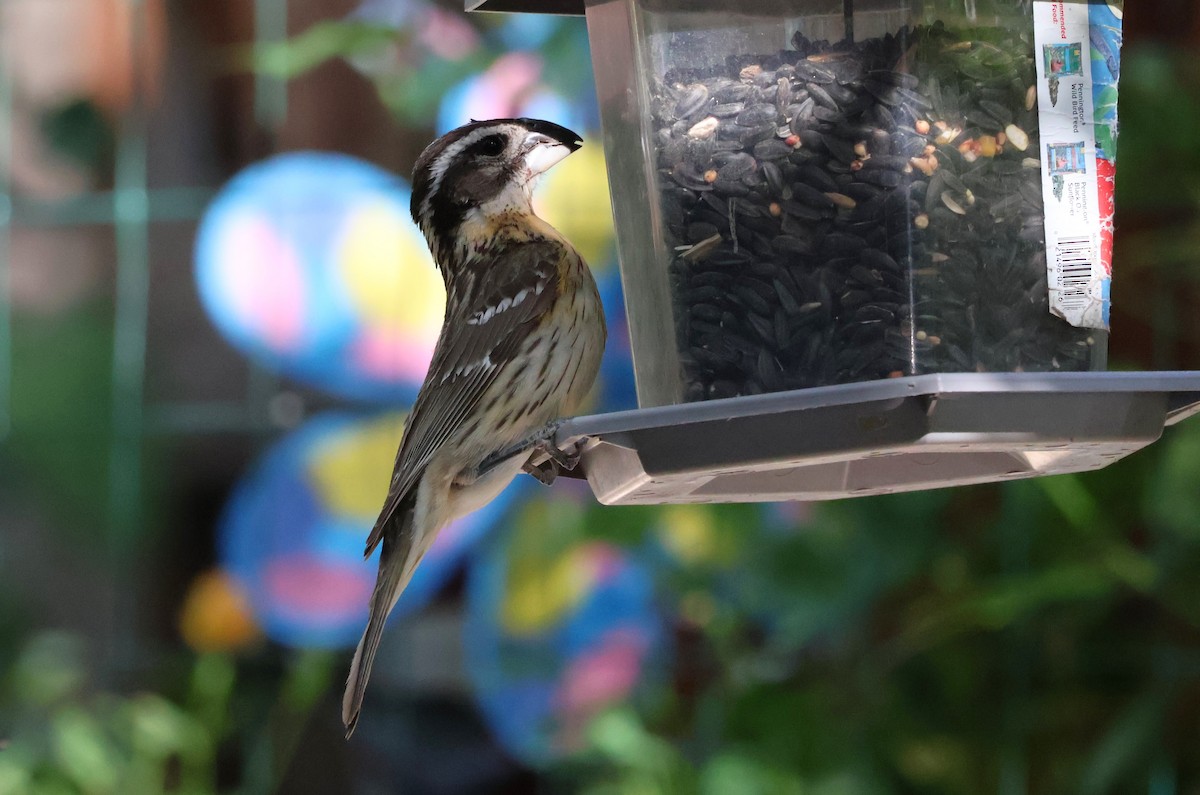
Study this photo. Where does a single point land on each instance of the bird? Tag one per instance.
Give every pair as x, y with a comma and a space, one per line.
519, 349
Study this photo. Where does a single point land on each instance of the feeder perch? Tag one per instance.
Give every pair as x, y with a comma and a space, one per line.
860, 252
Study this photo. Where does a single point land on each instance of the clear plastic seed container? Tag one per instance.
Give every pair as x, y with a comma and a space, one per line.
813, 192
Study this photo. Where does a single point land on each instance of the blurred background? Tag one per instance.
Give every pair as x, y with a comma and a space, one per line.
214, 312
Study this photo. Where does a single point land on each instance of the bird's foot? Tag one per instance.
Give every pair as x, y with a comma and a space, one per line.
546, 461
562, 459
545, 472
556, 461
529, 444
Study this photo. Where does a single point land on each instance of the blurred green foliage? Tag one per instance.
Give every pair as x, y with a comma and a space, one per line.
409, 75
70, 739
61, 416
1160, 98
65, 736
325, 40
80, 131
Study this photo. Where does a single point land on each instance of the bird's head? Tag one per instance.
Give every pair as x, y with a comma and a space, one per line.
481, 170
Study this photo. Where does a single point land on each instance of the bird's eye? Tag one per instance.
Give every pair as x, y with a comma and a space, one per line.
491, 145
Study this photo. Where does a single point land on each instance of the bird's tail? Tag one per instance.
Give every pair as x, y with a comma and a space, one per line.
395, 570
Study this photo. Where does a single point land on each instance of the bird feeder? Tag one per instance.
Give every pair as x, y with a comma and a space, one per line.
865, 245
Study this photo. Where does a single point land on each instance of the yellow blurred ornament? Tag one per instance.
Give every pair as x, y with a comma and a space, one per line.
690, 533
574, 200
350, 470
541, 592
548, 573
216, 614
389, 273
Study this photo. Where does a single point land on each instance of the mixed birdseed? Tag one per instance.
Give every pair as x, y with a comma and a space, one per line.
844, 212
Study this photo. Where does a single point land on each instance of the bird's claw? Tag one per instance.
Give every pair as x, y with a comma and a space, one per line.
561, 458
545, 460
556, 461
545, 472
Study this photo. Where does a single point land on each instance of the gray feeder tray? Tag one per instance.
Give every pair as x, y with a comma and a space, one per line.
878, 437
561, 7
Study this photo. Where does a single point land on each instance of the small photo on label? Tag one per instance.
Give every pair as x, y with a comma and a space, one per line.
1063, 59
1066, 158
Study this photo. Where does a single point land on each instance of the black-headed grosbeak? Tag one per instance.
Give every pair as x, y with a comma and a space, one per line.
519, 348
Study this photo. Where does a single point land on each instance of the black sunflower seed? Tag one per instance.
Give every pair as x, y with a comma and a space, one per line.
833, 215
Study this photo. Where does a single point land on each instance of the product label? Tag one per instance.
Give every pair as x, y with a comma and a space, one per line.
1078, 65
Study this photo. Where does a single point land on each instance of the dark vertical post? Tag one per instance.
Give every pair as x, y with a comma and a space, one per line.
848, 17
130, 212
270, 113
6, 365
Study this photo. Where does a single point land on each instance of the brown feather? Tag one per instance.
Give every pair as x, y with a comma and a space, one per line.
449, 394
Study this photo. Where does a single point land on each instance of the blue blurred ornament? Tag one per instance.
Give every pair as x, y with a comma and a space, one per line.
432, 31
618, 390
511, 87
293, 532
389, 13
558, 41
557, 630
310, 264
528, 31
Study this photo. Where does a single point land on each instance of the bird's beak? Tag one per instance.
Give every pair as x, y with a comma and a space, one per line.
546, 144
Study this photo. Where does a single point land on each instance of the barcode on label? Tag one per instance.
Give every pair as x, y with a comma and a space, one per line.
1074, 271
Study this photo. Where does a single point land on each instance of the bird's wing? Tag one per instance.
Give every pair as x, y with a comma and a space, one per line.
476, 342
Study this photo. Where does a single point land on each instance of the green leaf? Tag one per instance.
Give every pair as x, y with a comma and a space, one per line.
212, 683
320, 43
84, 752
1072, 498
1173, 500
1123, 750
732, 772
620, 736
414, 94
308, 677
50, 669
15, 771
61, 407
159, 728
1009, 600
